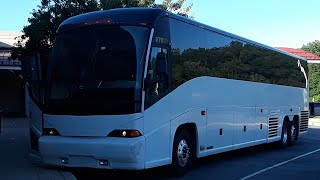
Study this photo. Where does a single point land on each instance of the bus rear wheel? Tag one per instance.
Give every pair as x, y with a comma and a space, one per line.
293, 133
182, 152
284, 134
288, 134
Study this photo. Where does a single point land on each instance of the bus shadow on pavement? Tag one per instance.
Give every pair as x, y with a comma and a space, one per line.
87, 173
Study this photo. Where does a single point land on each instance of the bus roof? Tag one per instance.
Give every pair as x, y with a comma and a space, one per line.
145, 17
204, 26
123, 16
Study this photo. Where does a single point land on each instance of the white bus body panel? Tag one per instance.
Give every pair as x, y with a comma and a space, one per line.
157, 133
120, 153
98, 126
84, 141
220, 119
228, 105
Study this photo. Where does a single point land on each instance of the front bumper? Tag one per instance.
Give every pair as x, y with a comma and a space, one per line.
115, 153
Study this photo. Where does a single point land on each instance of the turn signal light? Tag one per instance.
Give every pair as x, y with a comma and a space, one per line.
125, 133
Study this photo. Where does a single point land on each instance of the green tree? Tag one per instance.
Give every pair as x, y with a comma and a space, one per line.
314, 71
175, 7
314, 81
169, 5
111, 4
313, 47
40, 33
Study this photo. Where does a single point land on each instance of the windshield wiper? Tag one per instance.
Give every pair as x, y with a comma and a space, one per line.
93, 58
101, 82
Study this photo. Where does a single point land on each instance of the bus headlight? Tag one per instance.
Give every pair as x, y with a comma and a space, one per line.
125, 133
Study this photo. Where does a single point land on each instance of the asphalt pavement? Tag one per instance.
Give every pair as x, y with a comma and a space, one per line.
15, 161
260, 162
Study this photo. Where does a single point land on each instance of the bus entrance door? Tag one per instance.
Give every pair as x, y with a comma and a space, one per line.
32, 74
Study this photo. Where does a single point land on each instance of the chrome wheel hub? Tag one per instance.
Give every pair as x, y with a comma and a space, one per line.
285, 135
183, 152
293, 133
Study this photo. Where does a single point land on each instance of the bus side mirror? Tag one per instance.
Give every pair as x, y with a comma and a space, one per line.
161, 63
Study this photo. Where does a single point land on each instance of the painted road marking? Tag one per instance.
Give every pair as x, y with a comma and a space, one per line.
277, 165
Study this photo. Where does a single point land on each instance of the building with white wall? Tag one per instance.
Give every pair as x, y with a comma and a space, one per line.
9, 38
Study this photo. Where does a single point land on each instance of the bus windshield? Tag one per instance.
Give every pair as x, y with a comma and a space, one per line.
97, 70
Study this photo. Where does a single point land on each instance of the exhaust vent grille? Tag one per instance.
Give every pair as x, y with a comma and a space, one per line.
304, 120
273, 127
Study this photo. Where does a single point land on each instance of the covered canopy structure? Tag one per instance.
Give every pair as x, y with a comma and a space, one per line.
312, 58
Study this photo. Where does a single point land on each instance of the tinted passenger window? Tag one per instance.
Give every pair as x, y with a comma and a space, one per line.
188, 52
244, 61
226, 57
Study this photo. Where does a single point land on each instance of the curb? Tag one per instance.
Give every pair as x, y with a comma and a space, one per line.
314, 122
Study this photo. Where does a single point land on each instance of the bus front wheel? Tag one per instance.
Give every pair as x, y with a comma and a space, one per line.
182, 153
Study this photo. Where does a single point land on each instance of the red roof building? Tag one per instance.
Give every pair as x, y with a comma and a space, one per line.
312, 58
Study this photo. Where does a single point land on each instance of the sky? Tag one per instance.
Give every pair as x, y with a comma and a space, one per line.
277, 23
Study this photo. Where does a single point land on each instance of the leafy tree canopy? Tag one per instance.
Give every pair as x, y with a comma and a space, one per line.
314, 71
39, 35
313, 47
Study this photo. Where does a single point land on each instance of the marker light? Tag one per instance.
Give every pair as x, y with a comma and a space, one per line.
50, 132
125, 133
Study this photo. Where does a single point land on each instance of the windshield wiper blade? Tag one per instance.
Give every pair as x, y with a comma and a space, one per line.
99, 85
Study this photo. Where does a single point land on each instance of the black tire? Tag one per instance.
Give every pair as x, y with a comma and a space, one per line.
284, 135
292, 133
182, 153
296, 125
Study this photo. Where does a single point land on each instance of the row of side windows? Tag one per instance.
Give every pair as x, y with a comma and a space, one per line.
197, 52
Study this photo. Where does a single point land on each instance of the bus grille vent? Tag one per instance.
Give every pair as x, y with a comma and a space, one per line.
273, 127
304, 120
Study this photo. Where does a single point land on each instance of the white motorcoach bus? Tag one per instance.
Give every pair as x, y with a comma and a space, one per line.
139, 88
